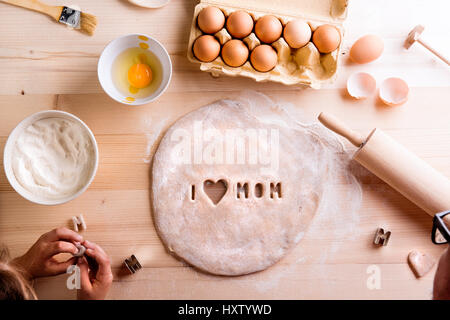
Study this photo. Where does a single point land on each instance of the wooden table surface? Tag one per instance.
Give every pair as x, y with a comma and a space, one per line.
46, 66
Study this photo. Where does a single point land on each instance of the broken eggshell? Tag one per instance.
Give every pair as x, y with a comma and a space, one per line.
360, 85
394, 91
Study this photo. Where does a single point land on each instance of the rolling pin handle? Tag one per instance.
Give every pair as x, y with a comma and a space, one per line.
340, 128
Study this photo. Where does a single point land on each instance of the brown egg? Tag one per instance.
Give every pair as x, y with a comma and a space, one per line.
211, 20
326, 38
239, 24
297, 33
234, 53
268, 29
367, 49
206, 48
264, 58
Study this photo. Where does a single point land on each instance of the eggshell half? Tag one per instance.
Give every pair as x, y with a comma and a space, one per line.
394, 91
367, 49
360, 85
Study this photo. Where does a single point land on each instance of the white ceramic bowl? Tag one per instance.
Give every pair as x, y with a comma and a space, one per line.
119, 45
9, 147
150, 3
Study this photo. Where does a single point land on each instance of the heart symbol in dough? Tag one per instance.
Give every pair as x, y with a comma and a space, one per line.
215, 190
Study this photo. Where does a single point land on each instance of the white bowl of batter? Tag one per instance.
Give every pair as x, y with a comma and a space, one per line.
51, 157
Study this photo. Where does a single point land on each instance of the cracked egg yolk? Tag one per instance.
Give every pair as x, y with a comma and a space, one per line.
140, 75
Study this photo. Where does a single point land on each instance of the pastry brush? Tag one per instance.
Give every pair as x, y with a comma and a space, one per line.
81, 21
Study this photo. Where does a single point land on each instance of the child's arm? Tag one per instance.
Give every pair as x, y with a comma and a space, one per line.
39, 260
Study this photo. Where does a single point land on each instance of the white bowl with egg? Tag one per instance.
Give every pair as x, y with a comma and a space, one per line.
51, 157
108, 77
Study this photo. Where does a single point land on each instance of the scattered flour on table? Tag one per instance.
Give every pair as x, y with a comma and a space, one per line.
152, 138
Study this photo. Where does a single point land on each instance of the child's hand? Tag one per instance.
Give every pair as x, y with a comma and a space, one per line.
39, 261
441, 288
96, 275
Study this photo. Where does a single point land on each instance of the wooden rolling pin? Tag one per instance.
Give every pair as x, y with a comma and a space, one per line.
398, 167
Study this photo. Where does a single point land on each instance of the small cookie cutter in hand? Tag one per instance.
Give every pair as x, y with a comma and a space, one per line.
81, 251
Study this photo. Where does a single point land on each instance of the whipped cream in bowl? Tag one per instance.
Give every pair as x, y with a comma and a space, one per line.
51, 157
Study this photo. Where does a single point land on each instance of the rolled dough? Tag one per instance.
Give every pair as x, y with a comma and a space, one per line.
237, 235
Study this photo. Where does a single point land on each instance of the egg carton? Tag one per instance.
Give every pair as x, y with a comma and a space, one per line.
303, 66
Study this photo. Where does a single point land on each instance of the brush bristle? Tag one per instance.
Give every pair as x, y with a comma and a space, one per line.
88, 23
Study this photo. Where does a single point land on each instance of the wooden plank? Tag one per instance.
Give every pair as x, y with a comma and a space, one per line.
53, 59
331, 281
134, 132
50, 67
425, 110
108, 213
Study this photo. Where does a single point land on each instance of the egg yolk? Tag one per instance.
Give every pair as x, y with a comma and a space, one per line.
140, 75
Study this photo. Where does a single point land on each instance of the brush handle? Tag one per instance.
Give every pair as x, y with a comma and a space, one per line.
35, 5
340, 128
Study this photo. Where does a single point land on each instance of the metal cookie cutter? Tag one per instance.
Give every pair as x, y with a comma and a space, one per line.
133, 264
81, 251
381, 237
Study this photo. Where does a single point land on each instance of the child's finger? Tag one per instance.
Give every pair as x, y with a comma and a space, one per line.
61, 247
84, 274
91, 245
62, 267
63, 234
99, 252
104, 267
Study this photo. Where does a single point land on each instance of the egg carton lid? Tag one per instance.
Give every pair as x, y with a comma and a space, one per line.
328, 10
